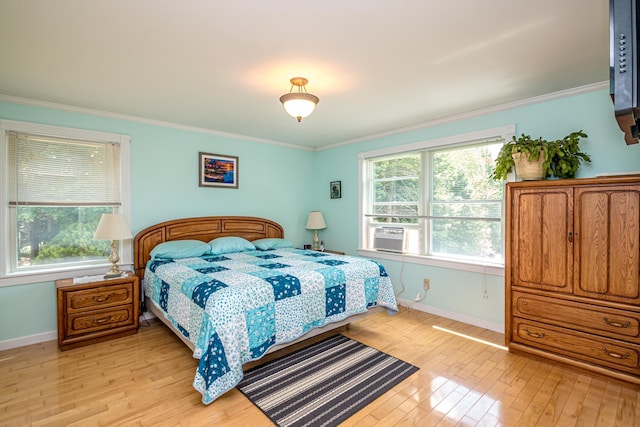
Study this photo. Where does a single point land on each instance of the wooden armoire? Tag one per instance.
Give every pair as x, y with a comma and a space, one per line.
571, 272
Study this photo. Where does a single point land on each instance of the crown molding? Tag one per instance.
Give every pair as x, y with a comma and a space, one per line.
481, 112
136, 119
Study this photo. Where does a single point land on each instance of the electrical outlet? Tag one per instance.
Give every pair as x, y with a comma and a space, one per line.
427, 284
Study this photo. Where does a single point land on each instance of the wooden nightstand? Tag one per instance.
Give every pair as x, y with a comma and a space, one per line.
97, 311
333, 252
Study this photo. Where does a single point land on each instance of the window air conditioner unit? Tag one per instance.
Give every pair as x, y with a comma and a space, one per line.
389, 239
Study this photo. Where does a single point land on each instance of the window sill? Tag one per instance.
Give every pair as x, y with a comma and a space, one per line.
475, 267
32, 277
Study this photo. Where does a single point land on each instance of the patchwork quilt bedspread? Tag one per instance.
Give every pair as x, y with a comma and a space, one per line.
234, 307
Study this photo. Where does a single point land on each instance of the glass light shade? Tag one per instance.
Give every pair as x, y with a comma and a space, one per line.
315, 221
112, 227
299, 105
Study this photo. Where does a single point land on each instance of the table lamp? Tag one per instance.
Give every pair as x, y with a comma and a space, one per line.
315, 222
113, 227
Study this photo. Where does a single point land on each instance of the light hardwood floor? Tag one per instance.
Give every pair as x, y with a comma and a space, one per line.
145, 379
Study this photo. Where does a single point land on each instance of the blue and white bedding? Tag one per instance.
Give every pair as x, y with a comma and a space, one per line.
234, 307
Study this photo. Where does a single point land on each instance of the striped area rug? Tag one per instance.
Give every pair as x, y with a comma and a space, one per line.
323, 384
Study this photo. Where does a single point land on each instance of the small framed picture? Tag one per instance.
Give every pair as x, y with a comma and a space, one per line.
217, 170
335, 189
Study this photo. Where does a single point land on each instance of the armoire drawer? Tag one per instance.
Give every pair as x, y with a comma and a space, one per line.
592, 319
588, 348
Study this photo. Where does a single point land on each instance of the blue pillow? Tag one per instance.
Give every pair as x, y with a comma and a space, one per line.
228, 244
272, 243
177, 249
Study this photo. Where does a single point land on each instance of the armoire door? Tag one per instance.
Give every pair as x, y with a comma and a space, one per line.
542, 239
607, 243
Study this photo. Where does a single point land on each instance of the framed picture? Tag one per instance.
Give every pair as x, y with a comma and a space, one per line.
335, 189
217, 170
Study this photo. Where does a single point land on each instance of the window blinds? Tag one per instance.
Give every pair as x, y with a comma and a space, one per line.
49, 171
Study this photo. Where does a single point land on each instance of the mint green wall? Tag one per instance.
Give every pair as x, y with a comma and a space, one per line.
27, 310
284, 183
274, 182
458, 291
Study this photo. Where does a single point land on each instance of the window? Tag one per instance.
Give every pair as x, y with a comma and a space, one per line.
437, 198
59, 181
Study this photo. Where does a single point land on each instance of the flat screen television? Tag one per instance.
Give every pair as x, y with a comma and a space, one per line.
623, 66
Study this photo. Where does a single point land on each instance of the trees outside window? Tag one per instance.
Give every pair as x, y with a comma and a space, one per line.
57, 235
443, 196
59, 182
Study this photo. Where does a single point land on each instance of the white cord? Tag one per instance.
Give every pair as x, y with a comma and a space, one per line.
485, 290
401, 278
145, 319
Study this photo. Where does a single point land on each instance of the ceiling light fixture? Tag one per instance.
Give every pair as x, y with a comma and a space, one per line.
301, 103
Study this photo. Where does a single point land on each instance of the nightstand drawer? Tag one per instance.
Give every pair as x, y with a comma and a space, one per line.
93, 321
99, 297
89, 312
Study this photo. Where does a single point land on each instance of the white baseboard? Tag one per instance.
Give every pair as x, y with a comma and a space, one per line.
44, 336
28, 340
413, 305
53, 335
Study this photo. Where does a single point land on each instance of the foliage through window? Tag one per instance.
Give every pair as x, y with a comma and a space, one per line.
396, 186
59, 235
442, 196
57, 189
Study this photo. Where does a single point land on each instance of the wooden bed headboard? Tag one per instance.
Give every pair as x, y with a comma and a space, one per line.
203, 228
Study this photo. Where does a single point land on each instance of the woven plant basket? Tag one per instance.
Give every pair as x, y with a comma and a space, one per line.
528, 170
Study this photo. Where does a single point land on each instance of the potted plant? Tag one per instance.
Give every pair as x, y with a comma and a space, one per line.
522, 150
538, 158
566, 155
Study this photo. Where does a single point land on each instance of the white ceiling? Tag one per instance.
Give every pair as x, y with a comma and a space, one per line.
376, 65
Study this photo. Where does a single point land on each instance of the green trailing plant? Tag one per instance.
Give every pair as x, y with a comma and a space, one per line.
566, 155
562, 156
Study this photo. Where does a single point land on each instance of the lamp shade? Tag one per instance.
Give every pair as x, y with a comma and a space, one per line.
315, 221
112, 227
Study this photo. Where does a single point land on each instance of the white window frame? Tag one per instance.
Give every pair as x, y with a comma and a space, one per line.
50, 273
486, 267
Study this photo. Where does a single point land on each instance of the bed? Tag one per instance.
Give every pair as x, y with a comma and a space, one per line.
250, 293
